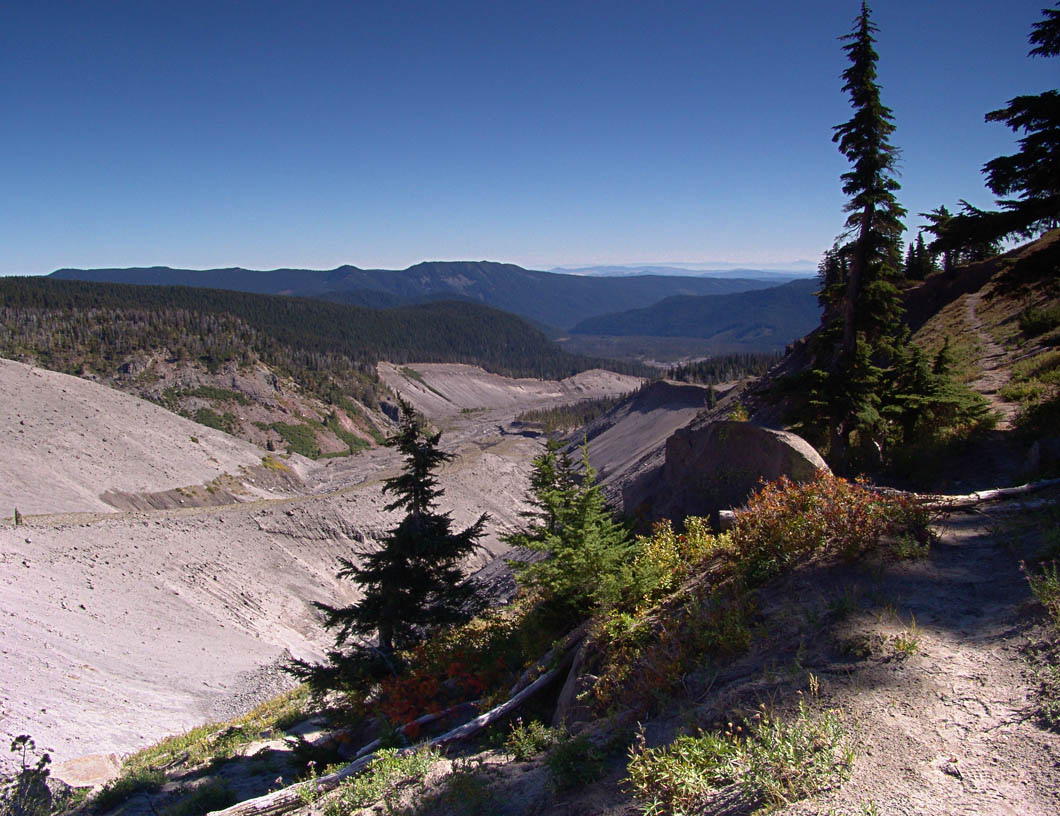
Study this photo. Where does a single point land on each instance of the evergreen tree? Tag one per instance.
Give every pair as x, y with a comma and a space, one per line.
861, 326
413, 582
869, 302
574, 527
1033, 173
919, 262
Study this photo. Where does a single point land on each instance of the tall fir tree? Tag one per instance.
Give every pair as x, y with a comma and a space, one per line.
862, 322
413, 582
869, 303
1032, 173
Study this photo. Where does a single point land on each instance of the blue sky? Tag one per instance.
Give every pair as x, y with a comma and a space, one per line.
311, 134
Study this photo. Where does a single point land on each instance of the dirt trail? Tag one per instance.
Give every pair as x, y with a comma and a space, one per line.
949, 729
993, 363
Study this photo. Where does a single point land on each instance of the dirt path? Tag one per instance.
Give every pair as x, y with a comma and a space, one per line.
949, 729
993, 363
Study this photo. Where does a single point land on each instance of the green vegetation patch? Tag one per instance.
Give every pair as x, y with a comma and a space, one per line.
1035, 385
776, 762
226, 422
132, 781
352, 441
300, 438
216, 794
570, 416
1039, 320
390, 769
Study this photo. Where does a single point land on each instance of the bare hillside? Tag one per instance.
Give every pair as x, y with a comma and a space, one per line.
69, 441
443, 389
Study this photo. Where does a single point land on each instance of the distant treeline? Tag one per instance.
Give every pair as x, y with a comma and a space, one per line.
573, 415
69, 323
725, 368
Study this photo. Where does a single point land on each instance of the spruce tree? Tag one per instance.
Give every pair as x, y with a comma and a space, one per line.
413, 582
1027, 182
869, 303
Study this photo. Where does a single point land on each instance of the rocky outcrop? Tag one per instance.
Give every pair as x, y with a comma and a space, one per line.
717, 465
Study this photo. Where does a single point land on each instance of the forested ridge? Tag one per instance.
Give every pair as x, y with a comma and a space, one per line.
60, 322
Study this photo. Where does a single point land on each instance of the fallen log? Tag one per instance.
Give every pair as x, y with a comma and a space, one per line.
568, 642
294, 796
943, 502
426, 719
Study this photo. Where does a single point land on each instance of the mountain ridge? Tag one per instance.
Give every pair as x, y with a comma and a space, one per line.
773, 316
543, 297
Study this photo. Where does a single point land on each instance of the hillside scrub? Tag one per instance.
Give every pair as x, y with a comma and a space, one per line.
679, 601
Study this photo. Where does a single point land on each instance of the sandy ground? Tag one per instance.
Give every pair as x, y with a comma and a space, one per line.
120, 628
451, 388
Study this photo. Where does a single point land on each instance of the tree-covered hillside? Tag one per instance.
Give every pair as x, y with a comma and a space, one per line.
57, 317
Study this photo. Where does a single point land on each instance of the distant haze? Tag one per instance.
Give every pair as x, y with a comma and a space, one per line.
797, 269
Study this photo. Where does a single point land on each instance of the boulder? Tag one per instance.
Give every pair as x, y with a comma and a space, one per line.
718, 465
92, 771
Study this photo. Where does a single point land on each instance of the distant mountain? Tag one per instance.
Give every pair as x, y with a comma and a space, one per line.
763, 319
543, 297
776, 275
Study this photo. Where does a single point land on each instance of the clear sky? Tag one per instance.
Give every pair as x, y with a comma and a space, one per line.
311, 134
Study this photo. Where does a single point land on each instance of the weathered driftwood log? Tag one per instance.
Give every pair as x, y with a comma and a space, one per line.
291, 797
938, 501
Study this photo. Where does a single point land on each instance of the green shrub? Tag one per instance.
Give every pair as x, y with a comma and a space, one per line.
907, 547
28, 794
663, 560
575, 762
464, 792
775, 761
299, 438
389, 769
785, 761
1039, 320
676, 778
131, 782
524, 742
202, 799
1045, 587
226, 422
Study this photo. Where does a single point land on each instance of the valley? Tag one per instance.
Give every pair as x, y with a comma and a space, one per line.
121, 627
